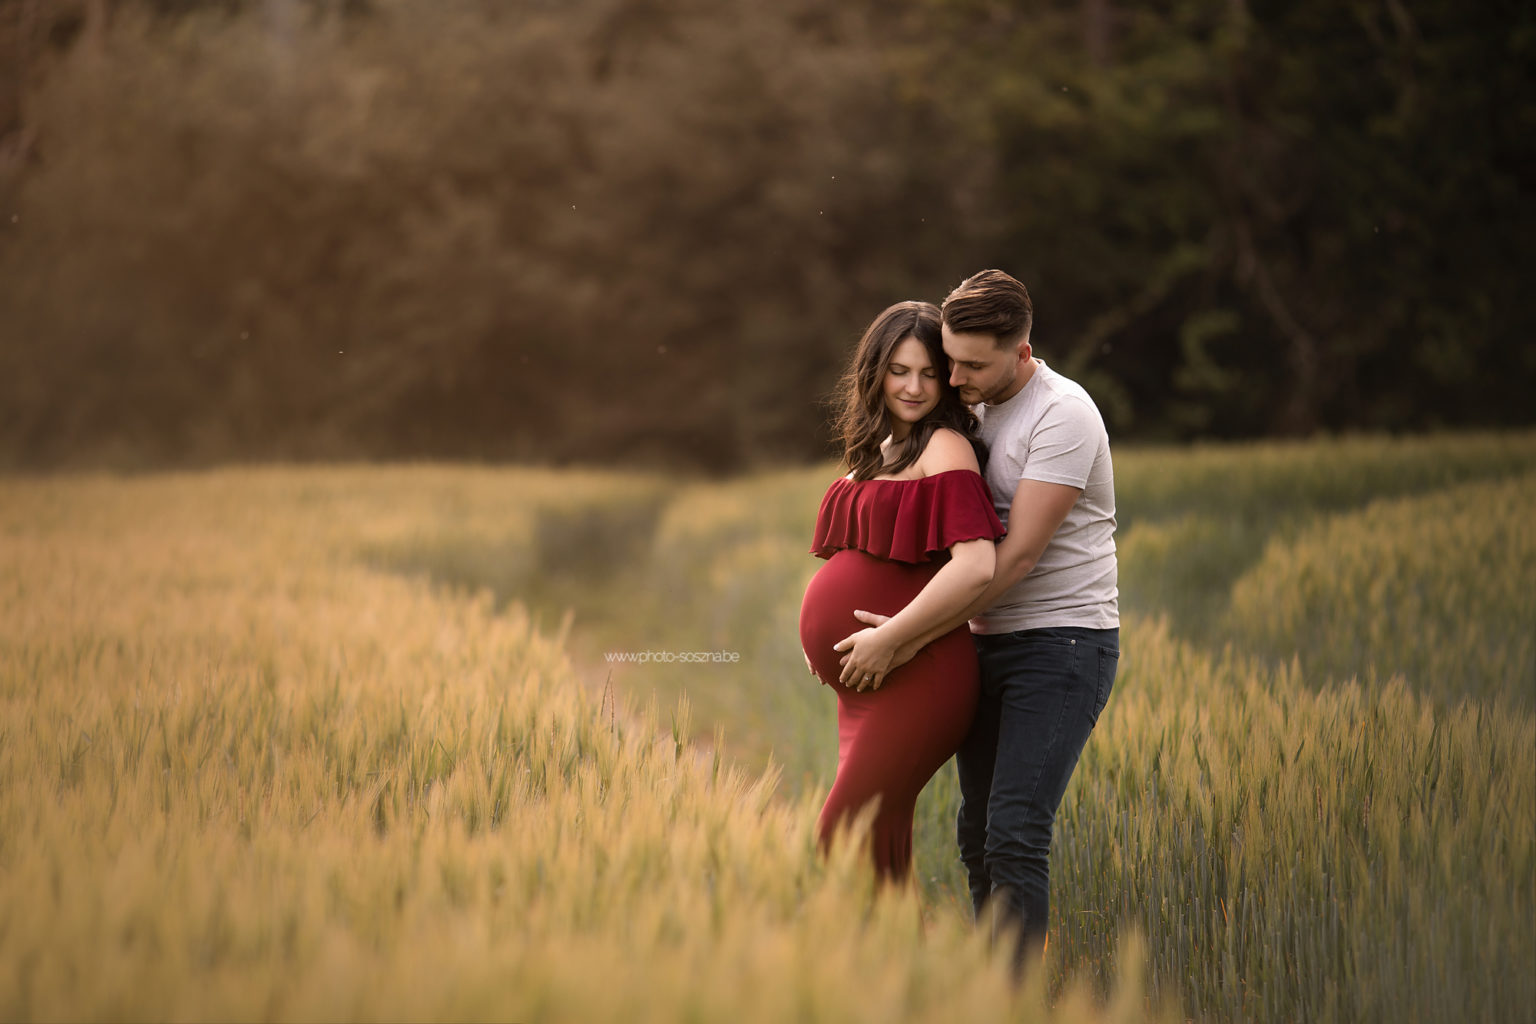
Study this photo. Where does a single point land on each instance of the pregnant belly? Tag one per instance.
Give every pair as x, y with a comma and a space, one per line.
852, 579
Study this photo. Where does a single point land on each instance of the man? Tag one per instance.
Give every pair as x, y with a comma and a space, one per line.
1047, 628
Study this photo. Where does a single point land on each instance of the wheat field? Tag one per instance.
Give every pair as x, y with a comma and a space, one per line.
350, 742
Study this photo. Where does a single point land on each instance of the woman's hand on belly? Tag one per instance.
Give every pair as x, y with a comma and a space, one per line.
872, 655
900, 655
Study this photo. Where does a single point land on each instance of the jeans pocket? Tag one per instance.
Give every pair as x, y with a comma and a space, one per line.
1109, 661
1052, 663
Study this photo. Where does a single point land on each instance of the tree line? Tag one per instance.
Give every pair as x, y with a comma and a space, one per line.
651, 230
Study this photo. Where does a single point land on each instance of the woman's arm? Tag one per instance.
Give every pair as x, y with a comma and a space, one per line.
872, 652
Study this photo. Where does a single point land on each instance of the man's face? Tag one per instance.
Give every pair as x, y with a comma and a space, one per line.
980, 370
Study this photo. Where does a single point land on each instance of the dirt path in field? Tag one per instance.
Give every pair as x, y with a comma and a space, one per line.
606, 680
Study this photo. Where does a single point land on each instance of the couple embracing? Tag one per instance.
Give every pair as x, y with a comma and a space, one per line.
969, 603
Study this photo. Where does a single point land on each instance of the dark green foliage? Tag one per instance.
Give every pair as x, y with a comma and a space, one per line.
623, 231
1245, 219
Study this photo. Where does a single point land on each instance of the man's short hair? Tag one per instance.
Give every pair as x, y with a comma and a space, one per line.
990, 302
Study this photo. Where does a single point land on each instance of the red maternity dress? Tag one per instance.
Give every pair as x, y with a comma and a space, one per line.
883, 541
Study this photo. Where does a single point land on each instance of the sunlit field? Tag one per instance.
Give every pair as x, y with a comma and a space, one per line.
362, 743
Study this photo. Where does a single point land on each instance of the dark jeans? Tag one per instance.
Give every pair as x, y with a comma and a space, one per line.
1041, 692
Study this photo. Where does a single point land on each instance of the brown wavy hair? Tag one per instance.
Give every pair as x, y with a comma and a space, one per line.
862, 420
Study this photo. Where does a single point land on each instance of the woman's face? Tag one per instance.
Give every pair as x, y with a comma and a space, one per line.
911, 386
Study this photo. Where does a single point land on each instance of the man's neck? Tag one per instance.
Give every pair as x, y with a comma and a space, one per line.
1024, 377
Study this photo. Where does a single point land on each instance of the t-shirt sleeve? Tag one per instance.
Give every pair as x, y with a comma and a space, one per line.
1064, 444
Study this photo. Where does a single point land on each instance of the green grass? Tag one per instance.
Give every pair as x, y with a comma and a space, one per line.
1435, 588
1312, 793
244, 773
1193, 520
1295, 852
1361, 590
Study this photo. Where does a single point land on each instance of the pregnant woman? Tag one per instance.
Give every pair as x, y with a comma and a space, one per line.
907, 533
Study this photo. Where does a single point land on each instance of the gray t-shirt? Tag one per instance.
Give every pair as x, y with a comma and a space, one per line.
1052, 431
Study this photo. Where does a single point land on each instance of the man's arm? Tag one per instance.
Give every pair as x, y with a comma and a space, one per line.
952, 588
1036, 513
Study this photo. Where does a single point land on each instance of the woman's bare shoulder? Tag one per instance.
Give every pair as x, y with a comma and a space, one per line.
948, 449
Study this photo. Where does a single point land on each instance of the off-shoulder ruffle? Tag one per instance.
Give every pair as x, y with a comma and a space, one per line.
905, 520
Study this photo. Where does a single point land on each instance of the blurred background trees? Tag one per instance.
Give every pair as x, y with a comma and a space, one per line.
651, 230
